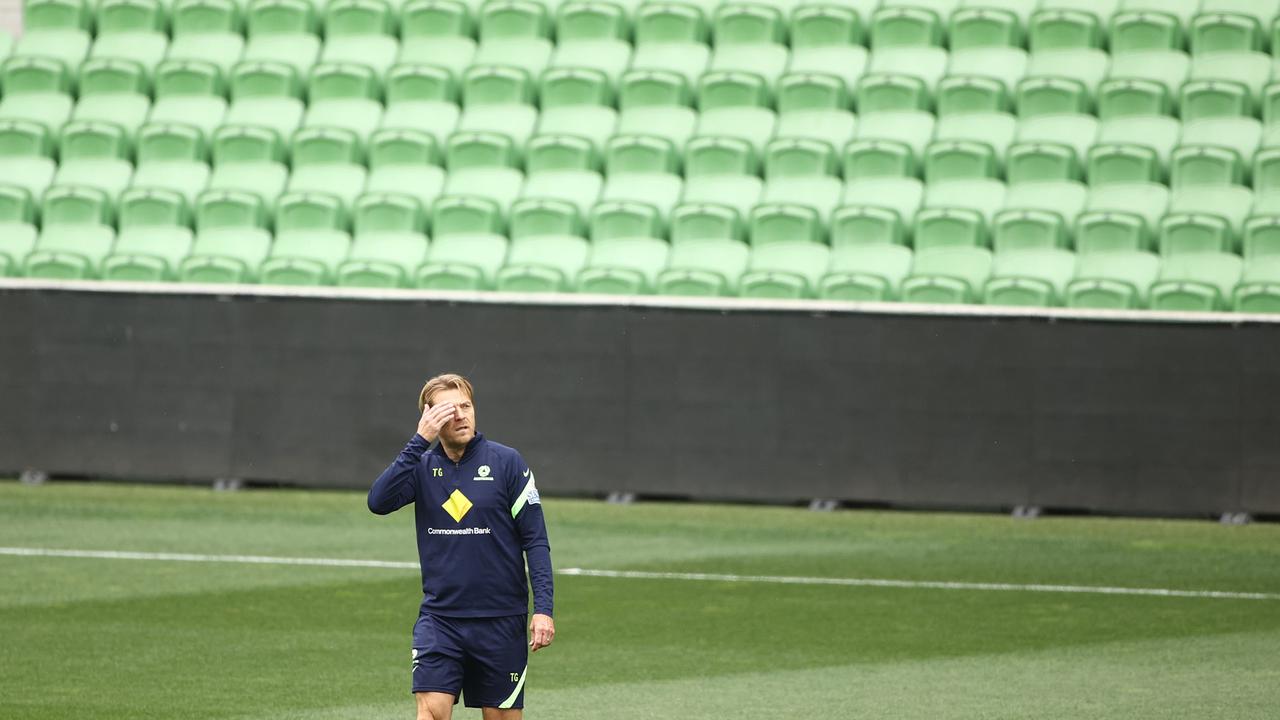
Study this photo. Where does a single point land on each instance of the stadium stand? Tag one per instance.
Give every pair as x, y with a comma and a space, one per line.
1080, 153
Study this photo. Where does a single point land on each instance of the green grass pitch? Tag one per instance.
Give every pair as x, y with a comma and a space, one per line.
103, 638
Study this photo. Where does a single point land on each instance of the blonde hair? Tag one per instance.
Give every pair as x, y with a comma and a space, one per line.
442, 382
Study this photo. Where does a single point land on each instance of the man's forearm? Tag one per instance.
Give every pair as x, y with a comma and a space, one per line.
538, 558
394, 487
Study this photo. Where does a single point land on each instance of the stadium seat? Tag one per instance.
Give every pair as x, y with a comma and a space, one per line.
734, 105
498, 100
949, 227
1214, 151
189, 93
207, 31
93, 155
17, 227
669, 38
248, 159
153, 237
267, 95
345, 97
36, 89
229, 209
1214, 31
588, 20
704, 267
1038, 215
483, 165
926, 64
616, 220
26, 154
905, 27
1050, 147
282, 32
1137, 31
1196, 282
656, 104
748, 38
1259, 287
383, 259
405, 161
876, 210
888, 144
814, 107
462, 262
947, 275
171, 157
785, 270
1142, 83
421, 98
1121, 217
1030, 277
865, 272
1224, 84
1117, 280
981, 80
75, 234
969, 145
988, 23
1061, 81
577, 102
67, 46
437, 33
329, 161
719, 171
561, 170
815, 25
359, 31
640, 169
305, 257
1132, 149
846, 62
130, 30
1204, 219
984, 196
113, 91
776, 222
623, 265
801, 173
1261, 233
226, 255
42, 15
543, 263
1052, 29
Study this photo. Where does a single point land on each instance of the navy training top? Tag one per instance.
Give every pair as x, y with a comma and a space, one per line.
477, 521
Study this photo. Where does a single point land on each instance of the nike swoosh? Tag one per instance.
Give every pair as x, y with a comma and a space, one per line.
526, 473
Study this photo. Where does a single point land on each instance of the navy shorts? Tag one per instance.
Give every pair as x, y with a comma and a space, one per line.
483, 658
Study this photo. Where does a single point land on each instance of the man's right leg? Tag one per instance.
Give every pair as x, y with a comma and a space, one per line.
434, 705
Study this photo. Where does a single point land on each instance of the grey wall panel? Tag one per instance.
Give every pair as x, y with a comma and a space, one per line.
756, 404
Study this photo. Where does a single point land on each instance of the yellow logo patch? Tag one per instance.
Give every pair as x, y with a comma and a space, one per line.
457, 505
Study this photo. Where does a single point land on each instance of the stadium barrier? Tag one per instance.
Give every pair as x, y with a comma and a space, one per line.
922, 406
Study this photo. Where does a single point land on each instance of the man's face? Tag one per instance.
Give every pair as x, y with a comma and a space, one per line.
462, 427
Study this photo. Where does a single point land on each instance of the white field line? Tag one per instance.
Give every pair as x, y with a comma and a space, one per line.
647, 575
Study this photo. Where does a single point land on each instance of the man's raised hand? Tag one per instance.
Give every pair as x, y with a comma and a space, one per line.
433, 418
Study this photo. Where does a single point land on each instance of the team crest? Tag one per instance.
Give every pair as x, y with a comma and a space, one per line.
483, 473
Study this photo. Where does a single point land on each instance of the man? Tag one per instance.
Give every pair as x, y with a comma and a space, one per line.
479, 519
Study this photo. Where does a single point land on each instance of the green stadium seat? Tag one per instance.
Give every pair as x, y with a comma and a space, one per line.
862, 273
305, 257
1030, 277
706, 268
1204, 219
616, 220
543, 263
171, 157
988, 23
926, 64
557, 195
343, 96
877, 210
309, 211
1121, 217
1259, 287
1117, 280
1023, 222
775, 222
466, 215
93, 155
405, 161
17, 226
823, 24
144, 47
1061, 81
1225, 83
498, 100
947, 275
1261, 234
1214, 151
75, 234
249, 159
656, 104
888, 144
640, 169
709, 220
35, 89
984, 196
359, 31
388, 213
226, 255
905, 27
747, 39
847, 62
266, 95
421, 98
123, 16
949, 227
592, 35
1132, 149
1138, 31
1199, 282
1052, 29
207, 31
1050, 147
1142, 83
67, 46
734, 105
462, 262
26, 154
1212, 32
623, 266
40, 15
152, 207
576, 102
483, 165
328, 161
800, 173
112, 91
815, 107
189, 93
437, 33
148, 251
659, 23
785, 270
282, 32
981, 80
230, 210
383, 259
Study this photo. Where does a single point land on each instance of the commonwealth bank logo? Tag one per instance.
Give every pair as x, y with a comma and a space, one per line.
457, 505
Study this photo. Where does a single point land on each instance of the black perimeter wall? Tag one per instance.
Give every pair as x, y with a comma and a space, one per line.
915, 410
